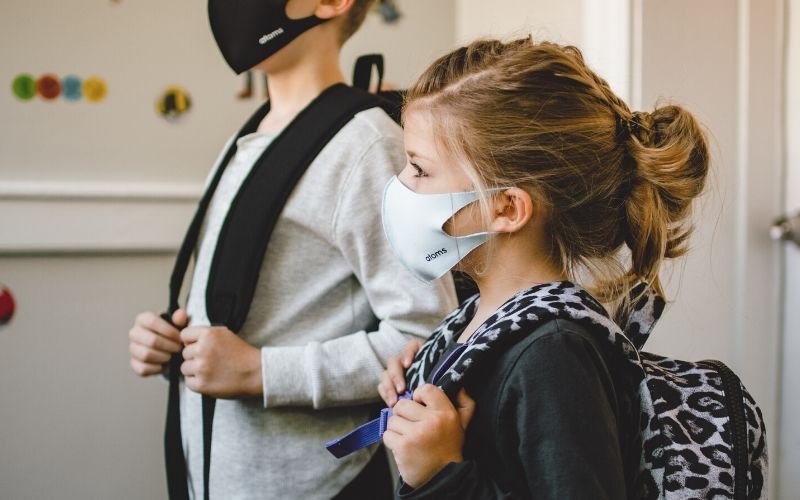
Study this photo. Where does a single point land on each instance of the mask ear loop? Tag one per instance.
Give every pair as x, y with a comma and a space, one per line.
452, 210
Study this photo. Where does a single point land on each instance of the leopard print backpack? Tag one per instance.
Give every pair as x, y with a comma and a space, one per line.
702, 435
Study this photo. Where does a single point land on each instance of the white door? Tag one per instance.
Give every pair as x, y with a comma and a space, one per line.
787, 454
724, 60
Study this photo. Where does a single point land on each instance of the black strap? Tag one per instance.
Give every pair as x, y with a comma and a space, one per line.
252, 216
243, 240
390, 100
173, 442
362, 71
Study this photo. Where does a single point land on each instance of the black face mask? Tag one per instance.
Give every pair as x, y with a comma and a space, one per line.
249, 31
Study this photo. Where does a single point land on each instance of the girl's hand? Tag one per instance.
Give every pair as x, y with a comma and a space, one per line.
393, 380
427, 433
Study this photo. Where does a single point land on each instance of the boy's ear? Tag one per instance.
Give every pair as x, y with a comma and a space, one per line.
513, 209
328, 9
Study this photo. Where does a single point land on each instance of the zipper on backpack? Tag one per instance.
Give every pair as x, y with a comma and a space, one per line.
734, 400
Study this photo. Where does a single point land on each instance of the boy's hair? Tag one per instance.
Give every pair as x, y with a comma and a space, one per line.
534, 115
354, 18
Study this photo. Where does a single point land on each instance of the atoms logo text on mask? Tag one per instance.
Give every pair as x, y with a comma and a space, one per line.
437, 253
269, 36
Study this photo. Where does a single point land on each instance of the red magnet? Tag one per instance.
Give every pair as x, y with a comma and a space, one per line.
49, 87
6, 305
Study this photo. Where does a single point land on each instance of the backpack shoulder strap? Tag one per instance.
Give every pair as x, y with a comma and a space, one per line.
391, 101
173, 442
193, 232
243, 241
257, 206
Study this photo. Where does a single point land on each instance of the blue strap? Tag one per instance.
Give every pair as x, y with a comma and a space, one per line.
362, 436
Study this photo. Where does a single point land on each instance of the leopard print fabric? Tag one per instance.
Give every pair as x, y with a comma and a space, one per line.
687, 436
686, 430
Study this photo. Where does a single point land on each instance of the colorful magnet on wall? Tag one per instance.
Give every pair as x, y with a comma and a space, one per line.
173, 103
24, 87
95, 89
48, 87
7, 305
71, 88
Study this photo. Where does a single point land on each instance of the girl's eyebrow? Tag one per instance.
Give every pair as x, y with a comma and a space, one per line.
412, 154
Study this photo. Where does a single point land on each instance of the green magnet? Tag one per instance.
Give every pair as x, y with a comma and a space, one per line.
24, 87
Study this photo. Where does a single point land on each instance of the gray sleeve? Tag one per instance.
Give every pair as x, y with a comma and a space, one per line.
346, 370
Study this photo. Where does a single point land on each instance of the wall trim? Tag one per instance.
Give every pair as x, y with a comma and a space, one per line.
64, 190
49, 218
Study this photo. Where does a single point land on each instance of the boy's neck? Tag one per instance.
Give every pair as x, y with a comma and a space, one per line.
293, 87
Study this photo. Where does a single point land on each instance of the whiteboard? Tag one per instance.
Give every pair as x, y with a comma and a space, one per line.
140, 48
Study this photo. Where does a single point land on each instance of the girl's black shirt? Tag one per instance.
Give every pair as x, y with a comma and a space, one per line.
555, 417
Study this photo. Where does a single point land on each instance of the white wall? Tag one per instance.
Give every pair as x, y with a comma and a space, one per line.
557, 21
601, 28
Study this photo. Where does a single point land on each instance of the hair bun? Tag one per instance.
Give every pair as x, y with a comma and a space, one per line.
640, 126
671, 161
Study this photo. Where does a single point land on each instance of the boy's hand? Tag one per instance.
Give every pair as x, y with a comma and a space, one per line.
152, 341
393, 379
427, 433
218, 363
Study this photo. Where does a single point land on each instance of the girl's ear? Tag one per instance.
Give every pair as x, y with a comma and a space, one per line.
513, 209
328, 9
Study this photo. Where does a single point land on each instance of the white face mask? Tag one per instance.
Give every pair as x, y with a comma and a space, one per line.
413, 225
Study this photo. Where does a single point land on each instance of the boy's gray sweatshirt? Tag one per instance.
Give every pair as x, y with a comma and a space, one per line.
331, 305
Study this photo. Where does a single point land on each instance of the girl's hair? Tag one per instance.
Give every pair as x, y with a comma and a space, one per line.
534, 115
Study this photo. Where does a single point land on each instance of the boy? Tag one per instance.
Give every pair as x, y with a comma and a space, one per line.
331, 305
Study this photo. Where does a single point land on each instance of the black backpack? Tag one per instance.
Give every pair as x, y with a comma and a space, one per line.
248, 226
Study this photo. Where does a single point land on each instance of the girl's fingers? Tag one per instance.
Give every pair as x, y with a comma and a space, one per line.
432, 397
410, 351
409, 410
397, 375
386, 390
391, 438
399, 425
465, 406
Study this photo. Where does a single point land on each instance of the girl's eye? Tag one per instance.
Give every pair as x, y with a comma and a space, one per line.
420, 172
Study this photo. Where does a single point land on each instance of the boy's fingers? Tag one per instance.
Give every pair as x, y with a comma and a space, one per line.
153, 340
465, 406
189, 368
190, 335
180, 318
144, 369
157, 324
142, 353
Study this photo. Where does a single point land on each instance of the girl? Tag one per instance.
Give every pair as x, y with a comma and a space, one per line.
529, 174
